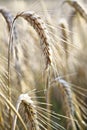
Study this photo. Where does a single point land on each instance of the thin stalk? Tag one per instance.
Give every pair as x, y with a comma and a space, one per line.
9, 74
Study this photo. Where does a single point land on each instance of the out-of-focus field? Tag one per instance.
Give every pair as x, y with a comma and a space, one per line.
57, 95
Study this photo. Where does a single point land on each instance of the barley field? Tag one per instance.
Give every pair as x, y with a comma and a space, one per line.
43, 65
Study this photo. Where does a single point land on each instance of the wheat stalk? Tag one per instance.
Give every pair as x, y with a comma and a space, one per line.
64, 35
41, 29
67, 100
30, 111
8, 18
6, 14
72, 105
78, 7
34, 115
9, 23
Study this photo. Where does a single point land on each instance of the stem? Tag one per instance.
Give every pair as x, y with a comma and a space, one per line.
9, 72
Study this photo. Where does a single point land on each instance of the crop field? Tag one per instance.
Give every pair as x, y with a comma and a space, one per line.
43, 65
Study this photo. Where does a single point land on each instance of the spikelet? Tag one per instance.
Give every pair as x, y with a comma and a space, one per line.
76, 5
41, 29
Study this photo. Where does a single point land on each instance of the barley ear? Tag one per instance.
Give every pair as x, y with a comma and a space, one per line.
29, 112
66, 93
40, 27
38, 24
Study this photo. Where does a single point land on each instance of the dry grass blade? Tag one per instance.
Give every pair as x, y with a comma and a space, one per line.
41, 29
